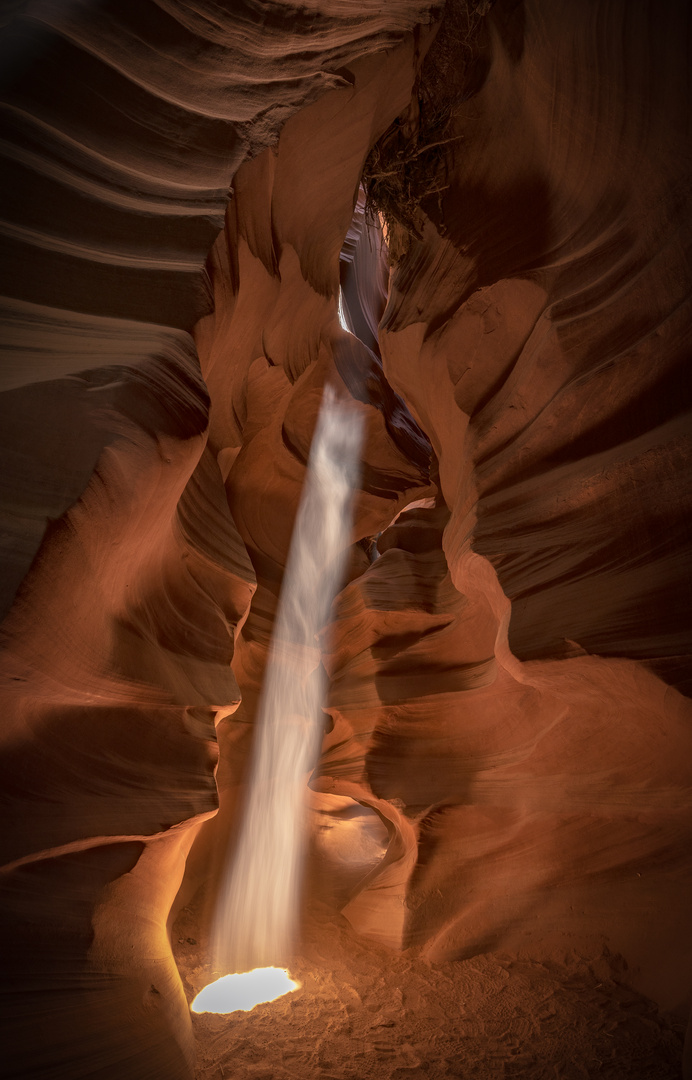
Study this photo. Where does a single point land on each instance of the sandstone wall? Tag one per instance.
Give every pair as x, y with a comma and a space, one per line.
506, 675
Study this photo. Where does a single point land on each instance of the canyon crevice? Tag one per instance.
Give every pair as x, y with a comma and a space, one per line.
473, 221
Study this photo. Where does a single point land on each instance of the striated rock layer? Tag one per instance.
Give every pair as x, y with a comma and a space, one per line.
124, 127
540, 343
508, 657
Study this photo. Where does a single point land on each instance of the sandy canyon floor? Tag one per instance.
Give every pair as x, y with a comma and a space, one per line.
364, 1013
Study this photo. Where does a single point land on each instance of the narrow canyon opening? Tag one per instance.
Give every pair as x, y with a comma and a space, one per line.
406, 727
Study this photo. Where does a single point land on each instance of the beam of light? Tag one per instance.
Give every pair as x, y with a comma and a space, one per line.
257, 912
342, 313
244, 991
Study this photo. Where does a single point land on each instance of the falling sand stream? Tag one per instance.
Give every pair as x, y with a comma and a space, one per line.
257, 912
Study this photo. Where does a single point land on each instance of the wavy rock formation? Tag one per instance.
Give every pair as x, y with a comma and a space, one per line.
124, 127
553, 354
509, 656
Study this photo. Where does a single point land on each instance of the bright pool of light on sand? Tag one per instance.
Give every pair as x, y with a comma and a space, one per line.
244, 991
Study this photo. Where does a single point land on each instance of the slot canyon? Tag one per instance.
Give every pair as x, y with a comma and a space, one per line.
471, 222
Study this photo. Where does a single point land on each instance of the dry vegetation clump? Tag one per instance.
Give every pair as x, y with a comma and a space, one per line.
407, 166
400, 172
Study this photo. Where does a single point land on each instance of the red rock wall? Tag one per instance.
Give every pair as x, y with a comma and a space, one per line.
502, 675
124, 574
554, 394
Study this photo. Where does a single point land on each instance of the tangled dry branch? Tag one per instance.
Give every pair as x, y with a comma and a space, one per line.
408, 164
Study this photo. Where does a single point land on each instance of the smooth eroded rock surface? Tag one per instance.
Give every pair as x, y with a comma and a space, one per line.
474, 223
